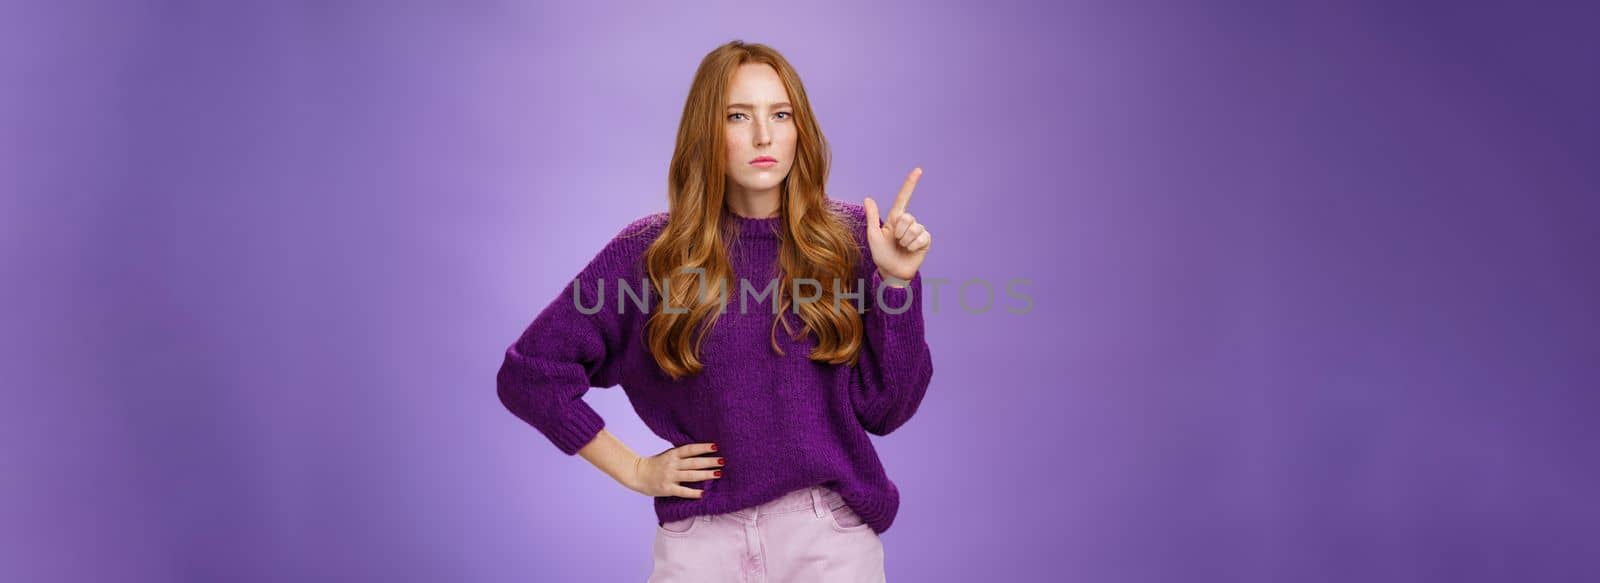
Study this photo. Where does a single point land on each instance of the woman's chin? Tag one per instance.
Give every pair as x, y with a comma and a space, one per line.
768, 180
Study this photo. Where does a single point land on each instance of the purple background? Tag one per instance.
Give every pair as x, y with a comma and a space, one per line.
1314, 287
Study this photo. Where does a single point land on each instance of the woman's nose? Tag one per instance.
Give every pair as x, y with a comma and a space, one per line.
763, 134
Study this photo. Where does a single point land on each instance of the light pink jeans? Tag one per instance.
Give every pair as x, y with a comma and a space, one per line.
806, 535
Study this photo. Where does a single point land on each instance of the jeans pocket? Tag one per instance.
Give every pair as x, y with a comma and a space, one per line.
680, 527
845, 519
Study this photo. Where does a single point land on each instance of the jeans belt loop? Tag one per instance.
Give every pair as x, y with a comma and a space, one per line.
817, 503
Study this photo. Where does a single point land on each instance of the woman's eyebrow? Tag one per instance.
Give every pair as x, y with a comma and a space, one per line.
748, 106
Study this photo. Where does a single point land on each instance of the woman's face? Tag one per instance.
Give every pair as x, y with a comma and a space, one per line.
760, 127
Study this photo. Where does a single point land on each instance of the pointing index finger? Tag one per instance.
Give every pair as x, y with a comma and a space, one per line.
904, 198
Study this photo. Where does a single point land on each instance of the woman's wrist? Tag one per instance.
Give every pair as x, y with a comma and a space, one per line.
631, 481
613, 457
892, 281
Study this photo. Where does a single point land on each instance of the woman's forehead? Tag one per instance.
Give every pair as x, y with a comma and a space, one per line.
755, 86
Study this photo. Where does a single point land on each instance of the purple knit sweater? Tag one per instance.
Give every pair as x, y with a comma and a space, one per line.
781, 422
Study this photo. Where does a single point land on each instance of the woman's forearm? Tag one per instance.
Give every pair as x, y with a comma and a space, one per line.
613, 457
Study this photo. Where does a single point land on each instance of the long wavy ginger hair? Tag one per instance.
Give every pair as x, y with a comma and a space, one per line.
814, 243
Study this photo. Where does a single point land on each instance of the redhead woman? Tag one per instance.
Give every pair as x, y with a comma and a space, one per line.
760, 327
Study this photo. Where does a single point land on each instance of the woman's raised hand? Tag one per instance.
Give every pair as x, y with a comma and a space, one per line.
901, 243
661, 474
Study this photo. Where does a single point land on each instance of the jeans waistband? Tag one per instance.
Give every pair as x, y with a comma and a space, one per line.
820, 499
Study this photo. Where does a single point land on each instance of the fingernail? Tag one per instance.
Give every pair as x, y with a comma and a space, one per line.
719, 473
713, 447
722, 462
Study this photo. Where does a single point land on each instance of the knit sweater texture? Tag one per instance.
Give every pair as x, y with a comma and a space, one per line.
781, 422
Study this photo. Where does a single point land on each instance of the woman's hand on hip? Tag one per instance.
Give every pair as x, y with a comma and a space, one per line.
662, 474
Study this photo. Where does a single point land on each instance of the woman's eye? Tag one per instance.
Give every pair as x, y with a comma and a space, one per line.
785, 114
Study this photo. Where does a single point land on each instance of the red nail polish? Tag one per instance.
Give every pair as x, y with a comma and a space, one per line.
722, 462
713, 447
719, 473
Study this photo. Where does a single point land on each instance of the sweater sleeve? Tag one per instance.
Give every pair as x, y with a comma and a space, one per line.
895, 365
565, 351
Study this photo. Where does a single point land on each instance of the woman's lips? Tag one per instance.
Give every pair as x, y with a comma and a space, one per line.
764, 162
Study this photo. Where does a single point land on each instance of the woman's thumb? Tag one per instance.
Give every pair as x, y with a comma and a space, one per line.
873, 228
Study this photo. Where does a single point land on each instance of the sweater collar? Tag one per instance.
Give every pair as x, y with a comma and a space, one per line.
752, 228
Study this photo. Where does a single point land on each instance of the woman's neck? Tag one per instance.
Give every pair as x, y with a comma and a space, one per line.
753, 205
